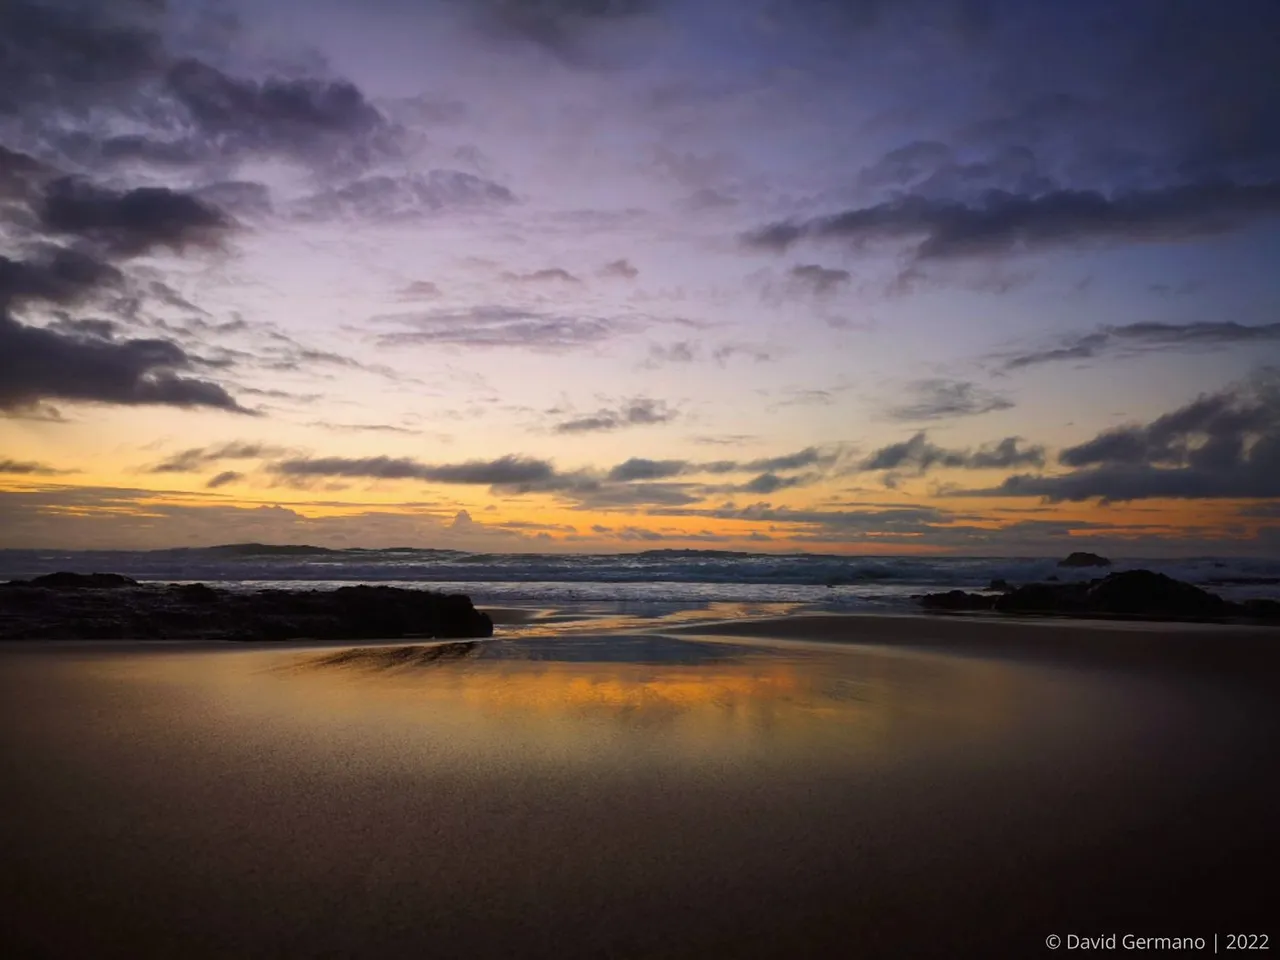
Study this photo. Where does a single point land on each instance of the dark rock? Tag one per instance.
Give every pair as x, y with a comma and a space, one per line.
197, 593
1143, 593
1133, 593
1080, 559
1044, 598
46, 609
77, 581
1000, 584
957, 600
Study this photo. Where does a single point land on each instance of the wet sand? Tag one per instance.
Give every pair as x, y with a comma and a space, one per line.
637, 795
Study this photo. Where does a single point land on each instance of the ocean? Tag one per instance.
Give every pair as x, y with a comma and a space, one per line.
646, 579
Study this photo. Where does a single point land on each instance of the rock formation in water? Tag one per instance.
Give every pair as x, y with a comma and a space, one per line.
1082, 559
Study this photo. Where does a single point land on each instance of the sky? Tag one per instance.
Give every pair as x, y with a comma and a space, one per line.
975, 277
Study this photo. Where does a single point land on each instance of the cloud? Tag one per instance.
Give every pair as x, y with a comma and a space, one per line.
1004, 223
938, 399
496, 327
619, 269
419, 290
39, 364
768, 483
542, 276
54, 275
808, 457
505, 471
642, 411
1222, 445
632, 495
223, 479
1136, 338
131, 222
1004, 455
920, 455
52, 48
114, 83
276, 114
195, 459
383, 198
690, 351
27, 468
818, 280
638, 468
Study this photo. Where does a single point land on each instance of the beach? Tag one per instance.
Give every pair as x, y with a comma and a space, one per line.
752, 786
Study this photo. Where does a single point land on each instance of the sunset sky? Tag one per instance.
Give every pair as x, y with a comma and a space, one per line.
954, 276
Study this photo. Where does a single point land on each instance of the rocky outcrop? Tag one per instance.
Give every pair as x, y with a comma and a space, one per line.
77, 581
957, 600
1133, 593
1081, 559
99, 606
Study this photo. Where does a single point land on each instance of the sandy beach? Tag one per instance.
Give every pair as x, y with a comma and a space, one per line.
764, 787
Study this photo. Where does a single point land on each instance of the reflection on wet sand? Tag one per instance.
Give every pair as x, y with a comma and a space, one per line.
699, 698
633, 795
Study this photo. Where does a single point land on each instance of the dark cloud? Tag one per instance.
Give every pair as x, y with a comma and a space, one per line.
498, 327
1004, 455
132, 222
54, 275
1138, 338
1085, 347
639, 412
195, 459
808, 457
817, 279
39, 364
919, 455
50, 49
1004, 223
505, 471
1223, 445
938, 399
542, 276
27, 468
638, 468
21, 175
768, 483
620, 269
223, 479
70, 69
275, 113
